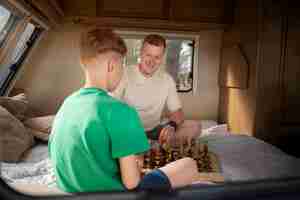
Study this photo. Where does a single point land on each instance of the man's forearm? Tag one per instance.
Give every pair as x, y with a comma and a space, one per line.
177, 117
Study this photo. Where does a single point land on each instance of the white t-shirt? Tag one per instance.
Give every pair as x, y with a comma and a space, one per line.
148, 96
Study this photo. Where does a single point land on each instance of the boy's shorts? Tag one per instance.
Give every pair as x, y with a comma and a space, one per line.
155, 180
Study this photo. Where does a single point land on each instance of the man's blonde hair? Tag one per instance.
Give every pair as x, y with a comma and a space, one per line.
155, 40
98, 41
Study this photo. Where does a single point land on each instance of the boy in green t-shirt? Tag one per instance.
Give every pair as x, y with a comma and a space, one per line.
95, 138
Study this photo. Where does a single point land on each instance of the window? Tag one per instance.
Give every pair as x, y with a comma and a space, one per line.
7, 23
16, 38
23, 46
179, 57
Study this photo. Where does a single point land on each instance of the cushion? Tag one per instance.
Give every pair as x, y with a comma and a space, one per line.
39, 134
16, 105
14, 137
40, 127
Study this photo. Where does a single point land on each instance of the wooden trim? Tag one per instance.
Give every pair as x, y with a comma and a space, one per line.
282, 68
28, 11
129, 23
45, 8
57, 7
25, 63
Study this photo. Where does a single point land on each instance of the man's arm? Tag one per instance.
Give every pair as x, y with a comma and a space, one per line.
130, 171
177, 117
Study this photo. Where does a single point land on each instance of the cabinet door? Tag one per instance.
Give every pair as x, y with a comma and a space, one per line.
158, 9
79, 7
291, 74
202, 10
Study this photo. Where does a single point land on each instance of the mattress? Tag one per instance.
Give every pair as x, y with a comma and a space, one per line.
241, 157
245, 158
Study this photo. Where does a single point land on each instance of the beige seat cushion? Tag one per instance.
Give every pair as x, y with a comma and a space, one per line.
14, 137
40, 126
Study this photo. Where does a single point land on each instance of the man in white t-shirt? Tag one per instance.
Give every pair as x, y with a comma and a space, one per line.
149, 88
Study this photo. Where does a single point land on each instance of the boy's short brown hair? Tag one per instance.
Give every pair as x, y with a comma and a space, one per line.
155, 40
100, 40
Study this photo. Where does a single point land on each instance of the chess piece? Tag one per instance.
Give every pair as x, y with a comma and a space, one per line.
147, 164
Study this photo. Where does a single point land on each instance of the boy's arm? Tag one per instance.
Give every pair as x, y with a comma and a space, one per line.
130, 171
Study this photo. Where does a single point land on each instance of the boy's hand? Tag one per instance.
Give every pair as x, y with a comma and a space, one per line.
166, 134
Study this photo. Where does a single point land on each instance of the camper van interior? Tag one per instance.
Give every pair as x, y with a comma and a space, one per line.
236, 65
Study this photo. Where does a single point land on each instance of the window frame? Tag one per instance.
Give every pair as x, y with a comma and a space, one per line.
10, 24
11, 40
16, 66
128, 34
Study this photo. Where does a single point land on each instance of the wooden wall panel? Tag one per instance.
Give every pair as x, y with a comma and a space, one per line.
158, 9
46, 8
267, 119
291, 77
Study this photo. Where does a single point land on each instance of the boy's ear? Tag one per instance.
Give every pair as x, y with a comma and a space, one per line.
111, 65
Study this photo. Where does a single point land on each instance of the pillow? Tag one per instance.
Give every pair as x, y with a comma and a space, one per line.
205, 124
220, 129
14, 138
16, 105
40, 126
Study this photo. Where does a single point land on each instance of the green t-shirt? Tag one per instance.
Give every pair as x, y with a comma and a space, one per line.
90, 132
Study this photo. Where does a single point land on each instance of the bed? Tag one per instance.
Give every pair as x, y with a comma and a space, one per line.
242, 158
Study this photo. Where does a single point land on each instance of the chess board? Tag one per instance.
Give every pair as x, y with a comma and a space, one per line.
159, 156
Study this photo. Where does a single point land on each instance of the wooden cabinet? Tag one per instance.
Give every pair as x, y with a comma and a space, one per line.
291, 72
85, 8
202, 10
187, 11
158, 9
269, 108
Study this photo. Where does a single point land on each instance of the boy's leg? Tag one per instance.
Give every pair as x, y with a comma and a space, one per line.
155, 180
179, 173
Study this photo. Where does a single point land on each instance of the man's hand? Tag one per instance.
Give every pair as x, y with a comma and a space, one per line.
176, 116
166, 134
188, 131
